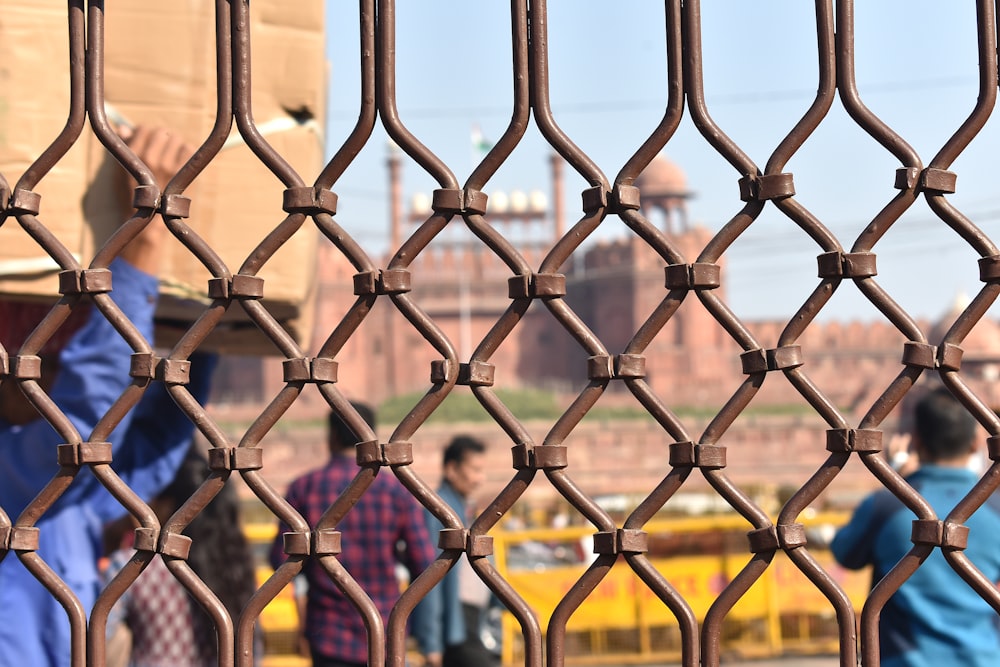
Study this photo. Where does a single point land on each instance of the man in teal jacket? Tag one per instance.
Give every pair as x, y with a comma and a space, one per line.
447, 621
935, 618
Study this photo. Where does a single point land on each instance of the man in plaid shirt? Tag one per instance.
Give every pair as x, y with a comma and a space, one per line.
385, 528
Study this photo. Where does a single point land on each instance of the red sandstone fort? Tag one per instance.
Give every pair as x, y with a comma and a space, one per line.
613, 286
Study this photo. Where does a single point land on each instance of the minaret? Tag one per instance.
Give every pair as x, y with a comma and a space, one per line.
558, 212
394, 164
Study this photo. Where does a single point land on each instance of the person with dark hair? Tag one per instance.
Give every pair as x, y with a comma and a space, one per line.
383, 529
168, 627
85, 370
935, 618
448, 622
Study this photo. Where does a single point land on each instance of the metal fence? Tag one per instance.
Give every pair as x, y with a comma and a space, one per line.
617, 545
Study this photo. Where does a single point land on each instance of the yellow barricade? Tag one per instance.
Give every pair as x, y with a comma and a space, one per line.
623, 619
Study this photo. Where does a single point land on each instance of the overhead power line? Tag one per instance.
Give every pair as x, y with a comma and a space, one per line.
717, 99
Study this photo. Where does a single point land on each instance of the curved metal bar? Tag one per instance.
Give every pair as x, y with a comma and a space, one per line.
369, 612
888, 307
198, 331
728, 234
419, 240
880, 594
694, 88
570, 152
586, 505
825, 93
113, 591
487, 519
974, 577
347, 499
591, 344
95, 100
965, 228
505, 418
740, 502
521, 112
344, 242
842, 606
47, 497
732, 409
385, 97
280, 578
501, 330
815, 397
77, 106
807, 313
211, 604
275, 332
362, 131
655, 322
986, 40
565, 246
270, 415
53, 246
347, 326
655, 501
891, 397
663, 416
848, 87
570, 602
272, 243
503, 248
433, 398
417, 590
668, 595
242, 104
711, 631
531, 629
649, 233
675, 99
67, 599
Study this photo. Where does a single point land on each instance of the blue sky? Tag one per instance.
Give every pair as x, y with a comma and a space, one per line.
916, 68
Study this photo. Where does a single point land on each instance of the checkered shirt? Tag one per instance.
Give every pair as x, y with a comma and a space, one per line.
168, 628
385, 528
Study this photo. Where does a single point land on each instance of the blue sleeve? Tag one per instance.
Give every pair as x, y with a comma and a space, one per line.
854, 544
93, 373
94, 366
157, 438
428, 616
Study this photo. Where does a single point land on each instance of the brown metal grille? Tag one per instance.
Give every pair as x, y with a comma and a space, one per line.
455, 203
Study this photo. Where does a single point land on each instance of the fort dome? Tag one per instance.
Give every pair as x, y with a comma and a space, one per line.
662, 178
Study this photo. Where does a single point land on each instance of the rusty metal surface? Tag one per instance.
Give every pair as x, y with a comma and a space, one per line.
621, 546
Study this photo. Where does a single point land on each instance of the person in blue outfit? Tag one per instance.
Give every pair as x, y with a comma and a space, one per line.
448, 622
91, 374
935, 618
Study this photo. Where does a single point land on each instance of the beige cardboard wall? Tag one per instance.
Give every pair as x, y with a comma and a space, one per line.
160, 70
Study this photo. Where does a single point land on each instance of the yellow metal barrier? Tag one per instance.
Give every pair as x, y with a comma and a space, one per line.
624, 621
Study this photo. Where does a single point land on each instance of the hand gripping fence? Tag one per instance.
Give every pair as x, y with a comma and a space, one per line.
454, 203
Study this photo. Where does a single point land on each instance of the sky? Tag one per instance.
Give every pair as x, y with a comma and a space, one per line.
917, 68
